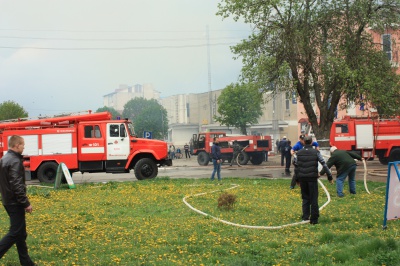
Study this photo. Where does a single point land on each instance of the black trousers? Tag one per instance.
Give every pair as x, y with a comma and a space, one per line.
234, 156
187, 154
309, 195
293, 183
16, 234
282, 158
288, 159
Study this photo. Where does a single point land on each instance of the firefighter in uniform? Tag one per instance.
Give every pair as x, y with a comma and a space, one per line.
236, 151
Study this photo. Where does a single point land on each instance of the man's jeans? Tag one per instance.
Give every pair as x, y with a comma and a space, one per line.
217, 169
351, 172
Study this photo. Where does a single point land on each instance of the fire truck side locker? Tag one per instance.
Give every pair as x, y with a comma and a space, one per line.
364, 136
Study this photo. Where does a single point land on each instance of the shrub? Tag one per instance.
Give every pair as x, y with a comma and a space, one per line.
226, 201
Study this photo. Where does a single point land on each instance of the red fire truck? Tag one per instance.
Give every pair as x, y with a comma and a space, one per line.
89, 142
256, 147
368, 136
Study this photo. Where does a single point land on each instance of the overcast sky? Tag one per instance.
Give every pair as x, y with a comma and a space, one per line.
64, 55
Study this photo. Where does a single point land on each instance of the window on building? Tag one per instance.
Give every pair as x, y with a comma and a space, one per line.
387, 45
187, 110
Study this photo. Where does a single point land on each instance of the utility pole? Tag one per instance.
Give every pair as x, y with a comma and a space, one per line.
209, 76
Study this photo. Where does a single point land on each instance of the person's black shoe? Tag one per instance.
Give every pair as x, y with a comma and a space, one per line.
313, 222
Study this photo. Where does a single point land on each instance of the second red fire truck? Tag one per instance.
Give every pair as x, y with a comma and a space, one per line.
368, 136
256, 147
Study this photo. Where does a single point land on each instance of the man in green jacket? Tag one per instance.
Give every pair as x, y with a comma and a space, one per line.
345, 164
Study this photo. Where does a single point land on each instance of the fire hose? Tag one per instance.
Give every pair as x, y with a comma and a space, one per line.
251, 226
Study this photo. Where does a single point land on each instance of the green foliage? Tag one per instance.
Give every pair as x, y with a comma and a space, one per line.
114, 113
321, 50
11, 110
147, 115
239, 106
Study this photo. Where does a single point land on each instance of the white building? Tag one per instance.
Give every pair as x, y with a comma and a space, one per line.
125, 93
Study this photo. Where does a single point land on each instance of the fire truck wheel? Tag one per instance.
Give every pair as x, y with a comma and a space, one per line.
243, 158
256, 159
146, 169
383, 160
46, 173
203, 158
394, 155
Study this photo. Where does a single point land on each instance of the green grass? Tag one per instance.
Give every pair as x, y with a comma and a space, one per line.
147, 223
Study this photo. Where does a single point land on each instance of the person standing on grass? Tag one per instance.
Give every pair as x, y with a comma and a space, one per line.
307, 175
216, 159
345, 166
14, 199
298, 146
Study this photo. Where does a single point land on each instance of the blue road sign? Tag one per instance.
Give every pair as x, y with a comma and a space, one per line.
147, 135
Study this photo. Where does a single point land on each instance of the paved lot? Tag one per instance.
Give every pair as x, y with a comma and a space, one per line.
189, 168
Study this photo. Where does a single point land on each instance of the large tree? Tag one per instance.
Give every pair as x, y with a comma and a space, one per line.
114, 113
239, 105
11, 110
147, 115
320, 49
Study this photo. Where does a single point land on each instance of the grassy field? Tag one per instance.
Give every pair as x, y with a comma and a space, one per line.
147, 223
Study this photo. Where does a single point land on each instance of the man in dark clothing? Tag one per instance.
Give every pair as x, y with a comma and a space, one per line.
288, 157
277, 146
186, 148
236, 150
14, 199
282, 145
298, 146
307, 175
216, 159
345, 166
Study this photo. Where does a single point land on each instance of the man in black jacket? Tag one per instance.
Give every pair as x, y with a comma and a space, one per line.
307, 175
282, 145
14, 199
216, 159
236, 151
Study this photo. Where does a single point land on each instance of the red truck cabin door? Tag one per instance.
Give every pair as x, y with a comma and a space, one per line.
118, 145
91, 147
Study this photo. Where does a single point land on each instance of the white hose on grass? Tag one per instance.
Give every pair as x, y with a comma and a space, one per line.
251, 226
365, 177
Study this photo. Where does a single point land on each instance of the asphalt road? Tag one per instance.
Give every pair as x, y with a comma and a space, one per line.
189, 168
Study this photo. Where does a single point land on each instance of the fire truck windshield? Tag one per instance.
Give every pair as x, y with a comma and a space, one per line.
131, 130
